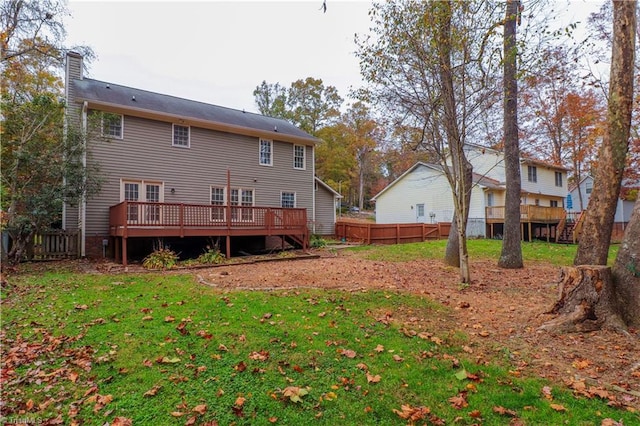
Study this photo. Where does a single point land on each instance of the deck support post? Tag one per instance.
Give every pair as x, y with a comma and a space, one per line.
228, 246
124, 251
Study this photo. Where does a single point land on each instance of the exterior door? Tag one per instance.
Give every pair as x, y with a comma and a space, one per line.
420, 213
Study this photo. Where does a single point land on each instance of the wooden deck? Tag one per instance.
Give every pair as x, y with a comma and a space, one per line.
548, 222
141, 219
528, 213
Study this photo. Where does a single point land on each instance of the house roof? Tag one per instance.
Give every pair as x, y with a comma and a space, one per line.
478, 179
114, 97
412, 168
328, 188
534, 161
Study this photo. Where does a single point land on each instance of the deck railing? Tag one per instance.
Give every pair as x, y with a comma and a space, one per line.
528, 213
136, 214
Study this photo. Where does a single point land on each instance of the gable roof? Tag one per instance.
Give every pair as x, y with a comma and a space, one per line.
435, 167
114, 97
328, 188
478, 179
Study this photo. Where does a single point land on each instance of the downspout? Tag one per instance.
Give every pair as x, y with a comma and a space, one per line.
313, 186
83, 203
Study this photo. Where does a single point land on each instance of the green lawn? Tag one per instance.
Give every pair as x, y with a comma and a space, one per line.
165, 350
537, 251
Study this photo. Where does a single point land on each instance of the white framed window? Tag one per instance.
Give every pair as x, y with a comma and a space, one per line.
288, 200
266, 152
111, 125
299, 162
588, 186
559, 179
181, 136
553, 203
490, 199
144, 192
532, 173
218, 199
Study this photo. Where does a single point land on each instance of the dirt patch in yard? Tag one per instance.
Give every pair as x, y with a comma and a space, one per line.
500, 312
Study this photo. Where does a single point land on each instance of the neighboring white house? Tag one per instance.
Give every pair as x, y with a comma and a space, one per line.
583, 190
423, 194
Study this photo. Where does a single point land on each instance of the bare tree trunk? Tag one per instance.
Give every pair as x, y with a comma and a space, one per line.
593, 247
511, 255
626, 271
460, 166
453, 249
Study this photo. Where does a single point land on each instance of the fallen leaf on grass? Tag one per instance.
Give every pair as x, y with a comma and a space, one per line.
167, 360
240, 367
294, 393
169, 318
273, 419
177, 413
362, 366
558, 407
147, 318
398, 358
347, 353
200, 409
504, 411
459, 401
259, 356
373, 379
153, 391
546, 391
379, 348
182, 328
122, 421
413, 414
81, 307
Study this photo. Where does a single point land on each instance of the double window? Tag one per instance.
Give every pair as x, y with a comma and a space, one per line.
181, 136
299, 157
532, 174
266, 152
142, 194
242, 200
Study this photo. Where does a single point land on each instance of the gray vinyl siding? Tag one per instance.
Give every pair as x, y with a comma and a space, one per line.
325, 222
146, 153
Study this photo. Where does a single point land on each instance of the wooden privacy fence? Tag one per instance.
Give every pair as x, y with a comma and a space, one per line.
394, 233
55, 244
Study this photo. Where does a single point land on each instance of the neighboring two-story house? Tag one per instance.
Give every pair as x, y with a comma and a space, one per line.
423, 194
190, 173
581, 194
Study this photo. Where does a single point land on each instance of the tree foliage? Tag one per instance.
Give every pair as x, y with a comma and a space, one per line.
42, 159
430, 67
308, 103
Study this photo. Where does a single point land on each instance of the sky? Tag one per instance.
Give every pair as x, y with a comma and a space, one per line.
219, 51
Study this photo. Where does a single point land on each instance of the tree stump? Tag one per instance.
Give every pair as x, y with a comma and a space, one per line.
586, 301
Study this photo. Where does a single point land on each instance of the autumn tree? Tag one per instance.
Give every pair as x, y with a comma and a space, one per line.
593, 247
593, 295
42, 158
428, 65
307, 103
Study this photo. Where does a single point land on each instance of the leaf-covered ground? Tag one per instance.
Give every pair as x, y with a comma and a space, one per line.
308, 342
501, 311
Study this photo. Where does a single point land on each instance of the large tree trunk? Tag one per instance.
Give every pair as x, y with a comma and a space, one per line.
626, 270
511, 256
593, 247
591, 296
586, 302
